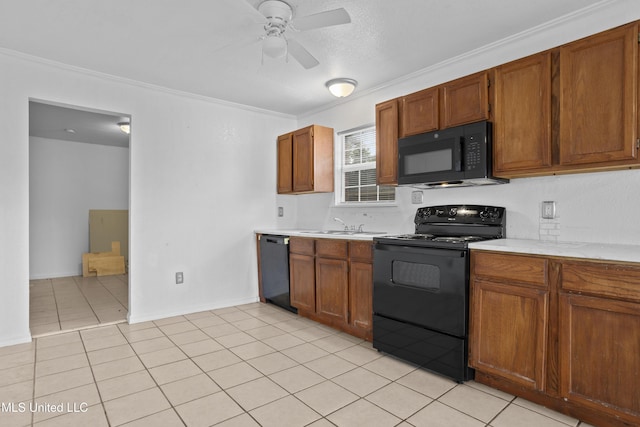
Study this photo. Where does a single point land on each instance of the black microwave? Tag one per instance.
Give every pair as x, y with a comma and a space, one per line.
458, 156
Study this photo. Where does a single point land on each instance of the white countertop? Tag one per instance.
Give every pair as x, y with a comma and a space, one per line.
319, 234
599, 251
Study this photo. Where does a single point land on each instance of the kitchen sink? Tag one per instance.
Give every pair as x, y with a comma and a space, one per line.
344, 232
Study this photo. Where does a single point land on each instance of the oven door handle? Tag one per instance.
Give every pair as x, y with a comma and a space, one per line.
449, 253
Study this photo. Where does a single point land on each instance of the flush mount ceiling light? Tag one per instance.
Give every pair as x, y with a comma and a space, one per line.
341, 87
125, 127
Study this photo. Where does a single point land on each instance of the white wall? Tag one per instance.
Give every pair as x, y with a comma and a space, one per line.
202, 179
593, 207
66, 180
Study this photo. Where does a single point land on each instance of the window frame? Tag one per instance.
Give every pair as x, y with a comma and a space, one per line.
341, 169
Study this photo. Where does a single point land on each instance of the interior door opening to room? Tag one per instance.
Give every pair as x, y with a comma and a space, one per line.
78, 204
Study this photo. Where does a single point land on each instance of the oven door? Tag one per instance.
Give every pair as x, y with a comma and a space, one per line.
426, 287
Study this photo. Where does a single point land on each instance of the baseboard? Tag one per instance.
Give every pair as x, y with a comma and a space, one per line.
133, 318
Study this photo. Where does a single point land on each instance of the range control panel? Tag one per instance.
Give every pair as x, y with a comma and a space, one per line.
464, 214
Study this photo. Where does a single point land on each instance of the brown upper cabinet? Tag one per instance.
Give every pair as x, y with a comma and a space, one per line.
572, 109
461, 101
305, 161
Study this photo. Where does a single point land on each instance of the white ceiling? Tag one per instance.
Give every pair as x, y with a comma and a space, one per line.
188, 45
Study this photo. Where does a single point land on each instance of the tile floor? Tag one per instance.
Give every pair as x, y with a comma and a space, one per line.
68, 303
251, 365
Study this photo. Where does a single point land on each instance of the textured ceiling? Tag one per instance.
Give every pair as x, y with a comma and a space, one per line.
200, 46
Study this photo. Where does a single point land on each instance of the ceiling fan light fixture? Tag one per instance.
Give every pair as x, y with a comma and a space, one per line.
274, 47
341, 87
125, 127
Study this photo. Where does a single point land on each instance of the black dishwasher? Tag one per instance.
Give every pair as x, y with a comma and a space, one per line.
274, 268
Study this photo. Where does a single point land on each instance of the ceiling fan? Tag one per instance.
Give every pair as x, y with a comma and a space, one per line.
278, 17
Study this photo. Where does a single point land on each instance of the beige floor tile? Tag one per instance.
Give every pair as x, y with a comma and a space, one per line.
169, 320
296, 378
135, 406
104, 342
78, 323
333, 343
476, 403
43, 329
17, 392
199, 348
174, 371
116, 368
178, 328
209, 410
58, 339
252, 350
16, 375
249, 323
189, 337
110, 354
167, 418
399, 400
287, 411
233, 375
326, 397
265, 332
94, 417
272, 363
17, 415
359, 355
546, 411
220, 330
236, 316
235, 339
330, 366
492, 391
162, 357
292, 324
59, 351
191, 388
125, 327
123, 385
429, 384
75, 399
390, 367
312, 333
282, 342
361, 382
62, 381
216, 360
142, 334
243, 420
305, 353
154, 344
256, 393
205, 322
518, 416
61, 364
438, 415
363, 413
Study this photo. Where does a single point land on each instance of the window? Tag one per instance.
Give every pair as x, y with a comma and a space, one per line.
358, 170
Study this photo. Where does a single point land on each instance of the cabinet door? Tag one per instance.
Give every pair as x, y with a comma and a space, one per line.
285, 163
360, 295
332, 289
465, 100
598, 98
420, 112
303, 162
599, 353
387, 143
508, 332
302, 282
522, 127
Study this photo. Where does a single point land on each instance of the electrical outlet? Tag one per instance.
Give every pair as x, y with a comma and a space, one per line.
179, 278
280, 211
416, 197
548, 210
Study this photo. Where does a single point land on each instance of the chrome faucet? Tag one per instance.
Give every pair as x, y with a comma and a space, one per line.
346, 227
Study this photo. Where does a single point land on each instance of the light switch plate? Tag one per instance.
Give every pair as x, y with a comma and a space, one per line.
416, 197
548, 210
280, 211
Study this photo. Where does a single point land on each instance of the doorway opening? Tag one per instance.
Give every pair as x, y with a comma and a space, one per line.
78, 166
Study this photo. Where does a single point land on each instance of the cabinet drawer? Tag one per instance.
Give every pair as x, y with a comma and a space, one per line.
331, 248
361, 251
301, 245
513, 268
611, 280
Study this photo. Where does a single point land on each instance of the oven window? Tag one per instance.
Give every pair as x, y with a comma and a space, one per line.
429, 161
423, 276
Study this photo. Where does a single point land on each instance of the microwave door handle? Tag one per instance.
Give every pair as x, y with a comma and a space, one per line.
458, 154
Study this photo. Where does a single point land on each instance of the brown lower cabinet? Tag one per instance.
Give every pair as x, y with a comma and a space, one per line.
560, 332
331, 282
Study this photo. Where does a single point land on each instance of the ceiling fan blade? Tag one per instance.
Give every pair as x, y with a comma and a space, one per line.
322, 19
302, 55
